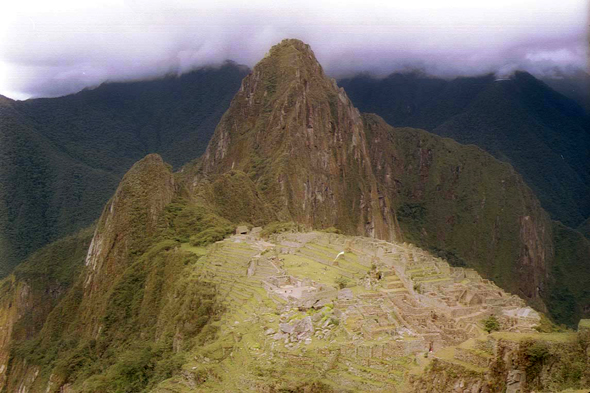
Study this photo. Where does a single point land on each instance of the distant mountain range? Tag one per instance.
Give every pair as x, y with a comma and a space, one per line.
520, 120
62, 158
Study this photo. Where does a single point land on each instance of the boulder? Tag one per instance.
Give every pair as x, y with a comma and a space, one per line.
345, 294
242, 230
303, 327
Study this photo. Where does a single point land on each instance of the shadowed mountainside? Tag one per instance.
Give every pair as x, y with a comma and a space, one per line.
520, 120
61, 158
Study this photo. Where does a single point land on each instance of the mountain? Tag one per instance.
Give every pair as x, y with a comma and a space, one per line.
301, 142
162, 301
293, 135
574, 85
520, 120
63, 157
584, 228
44, 192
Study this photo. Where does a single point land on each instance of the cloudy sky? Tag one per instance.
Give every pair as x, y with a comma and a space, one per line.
51, 48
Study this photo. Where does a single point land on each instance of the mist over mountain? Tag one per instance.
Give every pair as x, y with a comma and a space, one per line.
55, 49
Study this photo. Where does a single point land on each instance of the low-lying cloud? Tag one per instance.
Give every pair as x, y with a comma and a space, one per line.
60, 47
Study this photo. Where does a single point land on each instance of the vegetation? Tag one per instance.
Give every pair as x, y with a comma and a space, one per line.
584, 228
63, 157
481, 111
553, 362
195, 223
279, 227
343, 282
491, 324
570, 276
136, 348
447, 200
152, 311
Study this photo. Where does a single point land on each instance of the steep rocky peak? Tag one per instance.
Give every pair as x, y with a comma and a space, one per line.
287, 95
130, 217
302, 142
292, 60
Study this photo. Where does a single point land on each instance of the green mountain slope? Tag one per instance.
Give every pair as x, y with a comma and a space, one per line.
584, 228
123, 321
568, 292
44, 193
462, 203
544, 135
63, 157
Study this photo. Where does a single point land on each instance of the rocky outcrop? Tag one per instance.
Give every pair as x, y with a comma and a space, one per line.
125, 229
537, 363
15, 303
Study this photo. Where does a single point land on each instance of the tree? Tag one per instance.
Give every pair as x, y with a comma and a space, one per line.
491, 324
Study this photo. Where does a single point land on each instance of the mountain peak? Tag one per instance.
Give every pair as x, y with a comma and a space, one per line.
289, 43
290, 61
291, 47
301, 141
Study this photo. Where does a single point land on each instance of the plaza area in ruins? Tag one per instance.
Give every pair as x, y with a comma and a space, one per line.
360, 311
398, 292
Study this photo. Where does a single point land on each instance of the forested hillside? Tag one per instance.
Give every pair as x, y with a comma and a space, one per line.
520, 120
62, 158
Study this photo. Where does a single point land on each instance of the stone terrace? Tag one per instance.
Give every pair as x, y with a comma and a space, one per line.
284, 302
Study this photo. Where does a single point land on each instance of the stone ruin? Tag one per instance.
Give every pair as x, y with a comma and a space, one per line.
414, 298
410, 301
304, 293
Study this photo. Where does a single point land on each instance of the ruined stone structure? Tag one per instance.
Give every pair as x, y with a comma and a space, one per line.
408, 299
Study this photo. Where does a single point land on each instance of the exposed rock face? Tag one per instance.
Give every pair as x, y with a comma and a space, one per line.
298, 137
128, 221
12, 309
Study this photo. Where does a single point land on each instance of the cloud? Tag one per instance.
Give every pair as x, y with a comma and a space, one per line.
59, 47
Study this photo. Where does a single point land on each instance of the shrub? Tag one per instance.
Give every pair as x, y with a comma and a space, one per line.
342, 282
491, 324
208, 236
